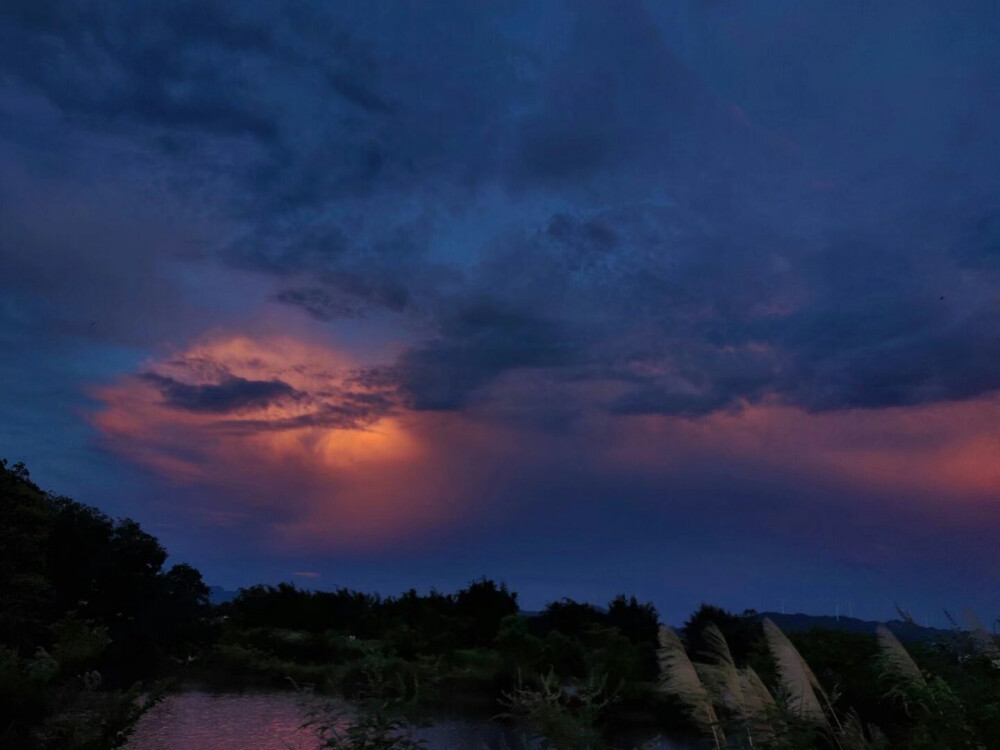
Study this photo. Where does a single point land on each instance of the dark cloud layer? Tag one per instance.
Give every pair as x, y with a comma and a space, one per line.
696, 255
479, 342
233, 394
319, 303
275, 392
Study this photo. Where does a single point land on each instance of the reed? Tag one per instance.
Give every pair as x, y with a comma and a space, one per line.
798, 680
680, 678
896, 659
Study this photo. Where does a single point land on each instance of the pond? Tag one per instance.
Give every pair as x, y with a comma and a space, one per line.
197, 719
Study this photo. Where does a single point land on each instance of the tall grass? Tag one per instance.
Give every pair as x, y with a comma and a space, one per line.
680, 678
733, 707
802, 689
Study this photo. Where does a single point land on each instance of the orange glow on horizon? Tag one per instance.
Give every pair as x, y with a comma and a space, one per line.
395, 474
929, 452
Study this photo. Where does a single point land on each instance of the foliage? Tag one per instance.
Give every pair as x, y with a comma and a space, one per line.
570, 618
937, 717
55, 699
564, 715
521, 650
288, 607
744, 633
86, 610
377, 718
481, 607
239, 661
25, 525
640, 624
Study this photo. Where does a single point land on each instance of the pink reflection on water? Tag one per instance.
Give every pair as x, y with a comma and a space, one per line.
197, 720
247, 721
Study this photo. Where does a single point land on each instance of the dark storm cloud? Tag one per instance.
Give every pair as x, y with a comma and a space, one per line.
351, 414
618, 98
286, 250
131, 62
350, 400
233, 394
738, 203
476, 345
293, 95
946, 363
689, 320
319, 304
349, 268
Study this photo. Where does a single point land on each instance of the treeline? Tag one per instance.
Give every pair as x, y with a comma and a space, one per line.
87, 611
484, 614
472, 643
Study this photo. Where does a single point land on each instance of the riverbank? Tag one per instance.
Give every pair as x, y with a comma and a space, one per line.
194, 716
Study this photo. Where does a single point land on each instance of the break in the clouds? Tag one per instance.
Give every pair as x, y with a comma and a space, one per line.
518, 221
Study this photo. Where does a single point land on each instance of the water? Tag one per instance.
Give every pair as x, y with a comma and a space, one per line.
199, 720
223, 721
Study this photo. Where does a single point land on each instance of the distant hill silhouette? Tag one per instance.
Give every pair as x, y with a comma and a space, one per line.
905, 631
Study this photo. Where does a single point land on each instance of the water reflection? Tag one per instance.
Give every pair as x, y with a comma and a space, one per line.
223, 721
196, 720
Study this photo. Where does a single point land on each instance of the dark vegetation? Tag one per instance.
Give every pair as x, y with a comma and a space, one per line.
87, 613
93, 626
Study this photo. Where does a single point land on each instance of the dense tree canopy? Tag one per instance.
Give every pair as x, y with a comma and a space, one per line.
81, 593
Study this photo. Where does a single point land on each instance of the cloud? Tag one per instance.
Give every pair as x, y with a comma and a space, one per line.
478, 343
279, 472
137, 70
263, 384
232, 394
334, 464
538, 216
637, 225
325, 103
933, 456
617, 98
319, 303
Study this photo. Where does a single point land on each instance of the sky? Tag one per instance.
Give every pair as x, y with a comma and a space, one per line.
693, 300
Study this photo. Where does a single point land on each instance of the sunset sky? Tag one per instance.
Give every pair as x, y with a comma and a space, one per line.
697, 300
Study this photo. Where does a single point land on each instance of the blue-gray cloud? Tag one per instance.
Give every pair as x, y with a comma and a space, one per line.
232, 394
476, 344
699, 205
319, 303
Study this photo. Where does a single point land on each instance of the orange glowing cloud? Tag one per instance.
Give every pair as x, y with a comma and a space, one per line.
284, 430
918, 454
294, 438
